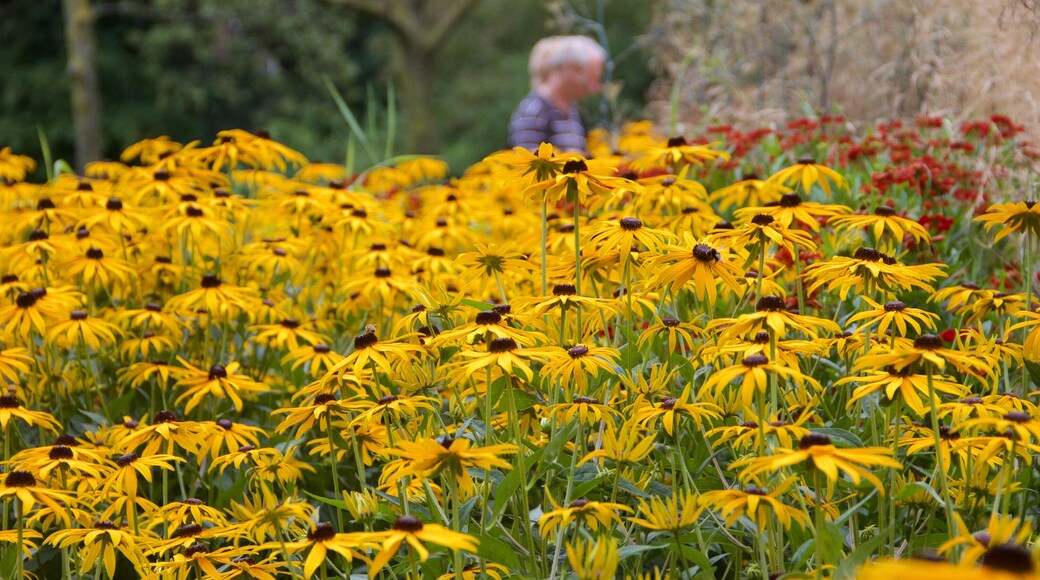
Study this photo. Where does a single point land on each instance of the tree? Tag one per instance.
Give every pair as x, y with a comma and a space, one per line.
81, 50
420, 28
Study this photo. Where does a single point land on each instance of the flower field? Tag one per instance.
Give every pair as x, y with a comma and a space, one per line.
779, 353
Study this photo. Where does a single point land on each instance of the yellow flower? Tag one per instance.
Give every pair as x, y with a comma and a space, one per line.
894, 313
593, 559
579, 364
81, 330
670, 514
593, 514
1014, 216
677, 152
131, 467
15, 167
452, 457
22, 486
627, 444
316, 359
531, 167
929, 350
791, 208
669, 410
101, 540
220, 301
698, 266
221, 382
908, 385
624, 235
11, 408
322, 539
808, 173
95, 270
771, 315
578, 179
884, 219
748, 192
1000, 531
818, 450
758, 504
502, 353
753, 373
869, 269
412, 530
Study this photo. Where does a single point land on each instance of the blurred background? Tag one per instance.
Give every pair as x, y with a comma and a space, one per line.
93, 76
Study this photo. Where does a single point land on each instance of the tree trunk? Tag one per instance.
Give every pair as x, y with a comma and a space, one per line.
416, 74
81, 48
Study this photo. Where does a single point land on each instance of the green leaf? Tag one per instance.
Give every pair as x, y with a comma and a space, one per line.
840, 436
633, 550
848, 567
1034, 370
584, 489
336, 503
349, 117
831, 543
477, 304
509, 485
495, 550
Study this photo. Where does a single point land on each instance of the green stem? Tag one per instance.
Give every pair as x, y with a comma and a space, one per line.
951, 527
819, 522
334, 464
545, 243
525, 507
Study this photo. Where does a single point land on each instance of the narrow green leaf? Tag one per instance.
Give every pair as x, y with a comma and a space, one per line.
842, 436
493, 549
848, 567
1034, 370
45, 147
391, 120
349, 117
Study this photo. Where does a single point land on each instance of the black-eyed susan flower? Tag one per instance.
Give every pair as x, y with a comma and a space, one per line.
22, 486
380, 354
896, 314
101, 540
698, 266
808, 173
677, 152
11, 408
869, 270
746, 436
15, 167
883, 220
219, 382
819, 451
1001, 530
753, 372
81, 330
586, 410
1013, 216
578, 179
905, 384
503, 354
668, 411
390, 409
579, 365
593, 515
627, 444
623, 235
759, 233
412, 530
452, 457
748, 192
791, 209
929, 350
593, 559
220, 301
771, 315
758, 504
670, 514
322, 539
486, 326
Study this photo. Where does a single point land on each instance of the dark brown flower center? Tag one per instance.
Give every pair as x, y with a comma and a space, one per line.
928, 342
486, 317
752, 490
127, 459
9, 402
790, 200
164, 417
630, 224
210, 281
105, 525
94, 253
502, 309
806, 161
324, 398
1017, 416
217, 372
408, 524
813, 439
668, 402
1009, 558
502, 345
188, 531
225, 424
195, 548
575, 166
322, 532
59, 452
585, 401
895, 306
706, 253
762, 219
577, 351
365, 340
579, 503
678, 141
290, 323
20, 478
114, 204
564, 290
382, 272
770, 304
755, 360
884, 211
387, 400
25, 300
724, 225
670, 321
322, 349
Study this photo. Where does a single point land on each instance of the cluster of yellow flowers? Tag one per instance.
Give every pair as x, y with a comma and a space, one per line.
550, 365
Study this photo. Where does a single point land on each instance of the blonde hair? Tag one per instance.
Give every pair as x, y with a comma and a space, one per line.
553, 52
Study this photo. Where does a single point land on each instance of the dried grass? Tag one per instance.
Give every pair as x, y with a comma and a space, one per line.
757, 62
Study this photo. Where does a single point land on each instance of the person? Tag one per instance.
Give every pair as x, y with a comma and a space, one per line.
564, 70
